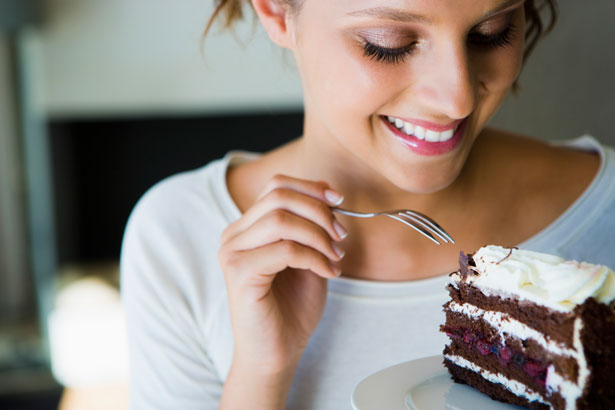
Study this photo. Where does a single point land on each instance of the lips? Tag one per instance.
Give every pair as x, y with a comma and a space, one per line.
424, 138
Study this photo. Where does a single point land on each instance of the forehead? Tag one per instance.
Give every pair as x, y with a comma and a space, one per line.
424, 11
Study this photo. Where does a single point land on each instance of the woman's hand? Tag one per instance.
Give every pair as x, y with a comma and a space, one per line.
276, 259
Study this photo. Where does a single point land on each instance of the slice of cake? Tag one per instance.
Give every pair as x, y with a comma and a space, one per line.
532, 329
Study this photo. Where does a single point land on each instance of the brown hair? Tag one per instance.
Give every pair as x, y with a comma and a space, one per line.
535, 27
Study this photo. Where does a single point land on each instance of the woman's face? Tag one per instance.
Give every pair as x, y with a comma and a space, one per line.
405, 86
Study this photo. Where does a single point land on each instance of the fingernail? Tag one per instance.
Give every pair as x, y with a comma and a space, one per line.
340, 229
337, 271
340, 252
334, 197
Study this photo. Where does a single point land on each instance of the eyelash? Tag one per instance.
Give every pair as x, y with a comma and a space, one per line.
501, 39
398, 55
388, 55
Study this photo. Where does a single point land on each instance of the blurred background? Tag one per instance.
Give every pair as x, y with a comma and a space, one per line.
101, 99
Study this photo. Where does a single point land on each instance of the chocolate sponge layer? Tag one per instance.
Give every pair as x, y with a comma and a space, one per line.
494, 390
558, 325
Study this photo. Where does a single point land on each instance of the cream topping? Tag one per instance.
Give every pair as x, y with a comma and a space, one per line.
542, 278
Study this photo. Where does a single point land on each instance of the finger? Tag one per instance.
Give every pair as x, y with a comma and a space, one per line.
283, 225
260, 265
304, 206
316, 189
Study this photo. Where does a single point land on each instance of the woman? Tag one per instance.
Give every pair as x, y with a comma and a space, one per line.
231, 273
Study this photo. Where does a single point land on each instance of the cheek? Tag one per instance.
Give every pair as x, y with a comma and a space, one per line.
499, 68
343, 80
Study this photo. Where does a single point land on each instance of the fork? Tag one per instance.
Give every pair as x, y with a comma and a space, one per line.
416, 220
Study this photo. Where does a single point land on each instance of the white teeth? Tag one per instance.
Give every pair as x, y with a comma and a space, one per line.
447, 135
409, 128
432, 136
420, 132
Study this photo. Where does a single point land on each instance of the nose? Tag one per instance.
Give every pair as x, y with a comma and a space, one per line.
446, 86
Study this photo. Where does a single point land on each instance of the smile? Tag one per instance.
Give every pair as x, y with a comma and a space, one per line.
426, 138
422, 133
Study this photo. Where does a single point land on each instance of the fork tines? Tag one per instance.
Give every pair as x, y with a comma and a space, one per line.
424, 225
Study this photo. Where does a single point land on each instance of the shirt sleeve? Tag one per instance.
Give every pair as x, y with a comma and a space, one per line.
169, 365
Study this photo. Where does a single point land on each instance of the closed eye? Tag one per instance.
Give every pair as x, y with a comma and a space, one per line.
500, 39
388, 55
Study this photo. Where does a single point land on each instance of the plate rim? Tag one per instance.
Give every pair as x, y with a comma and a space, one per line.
431, 366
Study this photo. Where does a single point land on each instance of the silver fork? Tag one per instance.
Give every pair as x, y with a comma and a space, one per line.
416, 220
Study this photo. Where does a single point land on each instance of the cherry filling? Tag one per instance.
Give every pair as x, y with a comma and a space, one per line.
506, 356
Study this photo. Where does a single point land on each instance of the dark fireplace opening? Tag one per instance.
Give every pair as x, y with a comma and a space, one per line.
101, 167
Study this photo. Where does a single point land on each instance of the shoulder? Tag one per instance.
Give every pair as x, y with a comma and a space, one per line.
539, 164
177, 223
180, 200
530, 183
529, 149
170, 244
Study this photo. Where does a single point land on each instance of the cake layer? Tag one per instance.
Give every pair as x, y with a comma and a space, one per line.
500, 329
534, 378
559, 325
511, 358
495, 385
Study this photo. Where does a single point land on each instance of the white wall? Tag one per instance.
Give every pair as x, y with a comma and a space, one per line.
568, 85
127, 56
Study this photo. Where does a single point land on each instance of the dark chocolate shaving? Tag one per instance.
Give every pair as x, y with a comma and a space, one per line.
507, 256
465, 261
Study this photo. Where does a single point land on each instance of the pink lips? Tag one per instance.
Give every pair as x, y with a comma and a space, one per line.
427, 148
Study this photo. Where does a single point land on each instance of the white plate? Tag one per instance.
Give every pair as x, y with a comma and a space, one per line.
422, 384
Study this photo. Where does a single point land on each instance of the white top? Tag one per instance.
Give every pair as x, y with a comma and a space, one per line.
176, 305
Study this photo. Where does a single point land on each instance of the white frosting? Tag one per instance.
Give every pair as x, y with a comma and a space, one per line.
506, 325
571, 391
514, 386
541, 278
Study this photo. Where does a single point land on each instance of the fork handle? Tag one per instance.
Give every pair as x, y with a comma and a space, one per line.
352, 213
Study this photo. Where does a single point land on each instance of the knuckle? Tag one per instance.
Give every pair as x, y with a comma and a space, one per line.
277, 180
319, 236
273, 183
277, 217
322, 185
289, 248
277, 195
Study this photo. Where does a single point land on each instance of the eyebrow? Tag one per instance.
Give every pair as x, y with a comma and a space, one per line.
388, 13
504, 6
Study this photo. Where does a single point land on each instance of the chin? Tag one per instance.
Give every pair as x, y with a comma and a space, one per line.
424, 184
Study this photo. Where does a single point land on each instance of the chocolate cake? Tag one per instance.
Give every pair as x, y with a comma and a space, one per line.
532, 329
